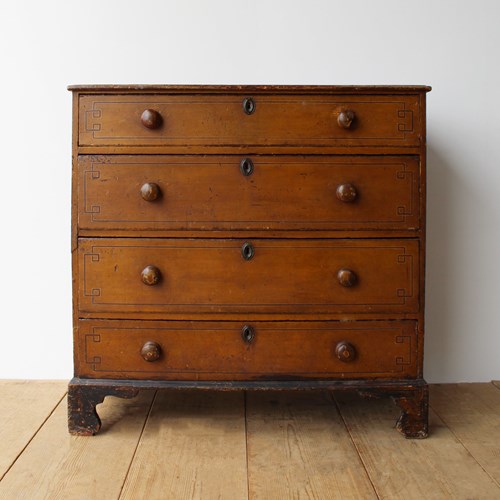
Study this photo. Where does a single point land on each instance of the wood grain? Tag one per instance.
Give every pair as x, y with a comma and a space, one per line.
138, 193
193, 447
285, 204
435, 468
472, 413
205, 275
25, 405
298, 447
201, 350
56, 465
202, 121
244, 89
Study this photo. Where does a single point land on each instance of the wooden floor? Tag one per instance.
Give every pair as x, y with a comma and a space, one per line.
258, 445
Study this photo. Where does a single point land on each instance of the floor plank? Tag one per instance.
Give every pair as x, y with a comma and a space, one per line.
496, 383
298, 447
434, 468
56, 465
193, 447
472, 413
25, 405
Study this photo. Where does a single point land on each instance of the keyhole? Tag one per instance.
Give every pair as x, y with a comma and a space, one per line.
247, 333
247, 251
246, 167
248, 105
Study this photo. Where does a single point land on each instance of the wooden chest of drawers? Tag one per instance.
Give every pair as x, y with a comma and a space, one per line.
231, 238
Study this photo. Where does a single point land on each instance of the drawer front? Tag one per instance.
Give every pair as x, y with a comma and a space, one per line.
235, 351
270, 120
196, 276
260, 192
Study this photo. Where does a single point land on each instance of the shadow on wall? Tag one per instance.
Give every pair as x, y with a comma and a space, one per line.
439, 337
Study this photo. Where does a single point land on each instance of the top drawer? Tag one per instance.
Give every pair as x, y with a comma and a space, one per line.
195, 121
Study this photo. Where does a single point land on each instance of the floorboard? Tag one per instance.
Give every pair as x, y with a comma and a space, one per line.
472, 413
25, 407
193, 447
298, 447
56, 465
434, 468
258, 446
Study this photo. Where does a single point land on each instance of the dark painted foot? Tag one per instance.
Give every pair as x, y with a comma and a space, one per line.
413, 422
83, 419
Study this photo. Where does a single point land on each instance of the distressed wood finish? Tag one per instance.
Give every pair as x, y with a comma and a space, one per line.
222, 351
210, 120
83, 419
212, 193
290, 276
249, 237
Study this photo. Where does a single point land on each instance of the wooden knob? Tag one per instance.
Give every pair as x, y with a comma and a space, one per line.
345, 352
346, 118
150, 191
347, 277
346, 193
151, 275
151, 119
151, 351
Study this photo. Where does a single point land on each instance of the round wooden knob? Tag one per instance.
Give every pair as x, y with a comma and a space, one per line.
347, 277
346, 193
151, 119
151, 275
151, 351
345, 352
346, 118
150, 191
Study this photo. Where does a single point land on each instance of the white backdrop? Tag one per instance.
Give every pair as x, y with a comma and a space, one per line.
449, 44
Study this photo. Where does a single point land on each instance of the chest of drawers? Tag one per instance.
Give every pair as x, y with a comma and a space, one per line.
237, 238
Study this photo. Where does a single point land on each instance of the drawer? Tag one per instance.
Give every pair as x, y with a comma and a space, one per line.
204, 121
239, 351
258, 192
293, 276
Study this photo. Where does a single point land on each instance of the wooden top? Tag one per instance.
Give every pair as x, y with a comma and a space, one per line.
334, 89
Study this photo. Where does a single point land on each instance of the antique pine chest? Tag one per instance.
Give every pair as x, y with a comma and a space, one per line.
248, 237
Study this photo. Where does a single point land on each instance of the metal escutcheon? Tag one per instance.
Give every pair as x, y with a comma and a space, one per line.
246, 167
247, 334
247, 250
248, 105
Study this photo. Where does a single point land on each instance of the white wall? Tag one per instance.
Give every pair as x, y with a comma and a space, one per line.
451, 45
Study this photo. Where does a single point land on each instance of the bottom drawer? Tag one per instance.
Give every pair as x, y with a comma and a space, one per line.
197, 350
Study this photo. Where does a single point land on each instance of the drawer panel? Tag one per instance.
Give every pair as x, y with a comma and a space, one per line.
278, 193
204, 121
182, 275
223, 351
